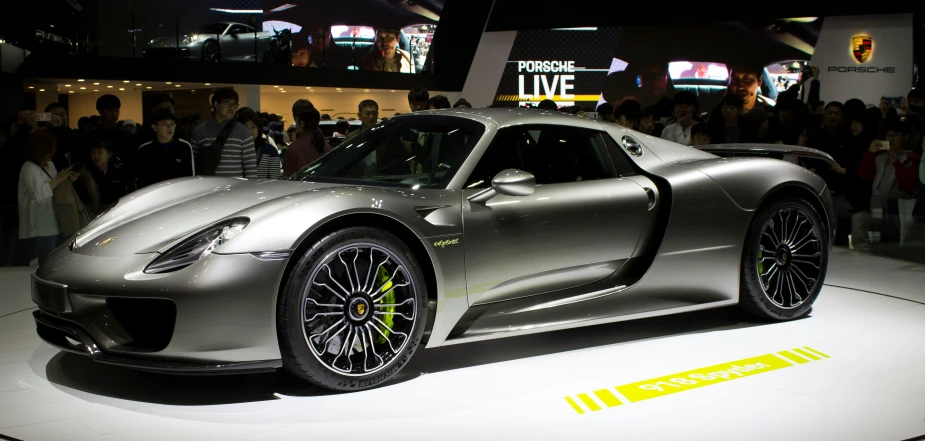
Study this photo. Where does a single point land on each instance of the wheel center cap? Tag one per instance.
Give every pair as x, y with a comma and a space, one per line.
358, 309
784, 256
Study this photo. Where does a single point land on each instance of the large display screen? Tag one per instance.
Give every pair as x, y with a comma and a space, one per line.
370, 35
588, 66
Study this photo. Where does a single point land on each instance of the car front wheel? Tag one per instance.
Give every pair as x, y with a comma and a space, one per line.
353, 310
784, 262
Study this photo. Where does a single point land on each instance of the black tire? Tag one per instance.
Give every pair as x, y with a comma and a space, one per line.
298, 358
754, 298
211, 52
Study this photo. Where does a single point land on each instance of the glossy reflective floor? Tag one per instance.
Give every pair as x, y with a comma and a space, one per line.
870, 320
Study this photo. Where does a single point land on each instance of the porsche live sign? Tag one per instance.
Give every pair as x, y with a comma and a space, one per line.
861, 46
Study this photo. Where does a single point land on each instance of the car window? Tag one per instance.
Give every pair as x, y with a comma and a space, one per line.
409, 152
236, 29
622, 164
553, 154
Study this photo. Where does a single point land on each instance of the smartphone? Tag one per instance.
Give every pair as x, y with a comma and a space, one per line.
893, 101
43, 116
77, 168
884, 145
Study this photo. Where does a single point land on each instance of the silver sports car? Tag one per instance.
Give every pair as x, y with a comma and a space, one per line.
433, 229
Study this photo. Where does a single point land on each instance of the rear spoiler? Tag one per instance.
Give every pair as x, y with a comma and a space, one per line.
791, 153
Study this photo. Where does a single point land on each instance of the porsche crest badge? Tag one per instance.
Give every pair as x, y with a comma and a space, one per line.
107, 241
862, 47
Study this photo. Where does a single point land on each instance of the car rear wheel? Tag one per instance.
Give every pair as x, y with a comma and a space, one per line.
784, 262
353, 310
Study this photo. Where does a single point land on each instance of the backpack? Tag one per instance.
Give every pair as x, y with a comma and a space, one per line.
208, 157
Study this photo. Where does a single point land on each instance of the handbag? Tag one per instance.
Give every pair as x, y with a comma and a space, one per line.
70, 211
209, 157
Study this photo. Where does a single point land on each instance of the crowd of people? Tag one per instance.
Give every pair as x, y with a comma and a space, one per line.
58, 178
877, 178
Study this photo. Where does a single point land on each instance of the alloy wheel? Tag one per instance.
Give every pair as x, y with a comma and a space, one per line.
358, 309
790, 258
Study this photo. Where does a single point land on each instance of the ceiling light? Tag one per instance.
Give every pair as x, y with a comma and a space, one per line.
238, 11
32, 87
70, 91
308, 88
109, 87
393, 91
126, 81
337, 88
177, 85
67, 85
121, 88
96, 84
80, 81
139, 84
365, 90
83, 88
282, 8
148, 87
208, 84
282, 91
96, 90
168, 82
276, 87
41, 90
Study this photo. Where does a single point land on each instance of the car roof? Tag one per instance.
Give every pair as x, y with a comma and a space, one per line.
512, 116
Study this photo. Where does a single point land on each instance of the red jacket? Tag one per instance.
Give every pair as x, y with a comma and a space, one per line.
907, 174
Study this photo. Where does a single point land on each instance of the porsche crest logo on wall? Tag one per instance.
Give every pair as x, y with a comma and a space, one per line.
862, 47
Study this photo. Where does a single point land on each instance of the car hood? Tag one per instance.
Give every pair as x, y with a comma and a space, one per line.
158, 216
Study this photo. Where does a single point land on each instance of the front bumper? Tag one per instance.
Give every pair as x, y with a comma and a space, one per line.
72, 338
217, 315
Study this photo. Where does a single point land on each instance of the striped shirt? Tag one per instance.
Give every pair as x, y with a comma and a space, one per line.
269, 165
239, 159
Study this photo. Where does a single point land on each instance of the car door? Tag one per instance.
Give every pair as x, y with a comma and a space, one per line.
235, 44
582, 222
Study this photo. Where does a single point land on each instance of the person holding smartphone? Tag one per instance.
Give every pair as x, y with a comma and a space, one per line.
38, 179
894, 173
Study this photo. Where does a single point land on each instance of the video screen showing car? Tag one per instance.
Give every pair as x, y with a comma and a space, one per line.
693, 71
371, 35
785, 74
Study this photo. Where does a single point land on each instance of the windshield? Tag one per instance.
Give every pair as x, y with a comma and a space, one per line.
419, 152
215, 28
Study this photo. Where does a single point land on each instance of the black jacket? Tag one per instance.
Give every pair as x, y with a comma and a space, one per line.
112, 185
157, 164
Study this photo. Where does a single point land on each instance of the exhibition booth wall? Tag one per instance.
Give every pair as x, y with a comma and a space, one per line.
589, 65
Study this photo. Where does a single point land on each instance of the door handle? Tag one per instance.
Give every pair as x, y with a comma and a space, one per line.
632, 146
652, 197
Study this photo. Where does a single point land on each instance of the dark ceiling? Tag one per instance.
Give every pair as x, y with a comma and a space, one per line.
509, 15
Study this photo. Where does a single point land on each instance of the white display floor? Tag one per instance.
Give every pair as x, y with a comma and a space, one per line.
871, 386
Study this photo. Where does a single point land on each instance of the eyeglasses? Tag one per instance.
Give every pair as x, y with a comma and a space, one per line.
229, 104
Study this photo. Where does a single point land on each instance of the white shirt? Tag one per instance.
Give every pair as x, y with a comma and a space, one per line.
36, 201
675, 133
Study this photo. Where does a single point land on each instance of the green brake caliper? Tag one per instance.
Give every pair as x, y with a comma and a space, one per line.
388, 299
760, 262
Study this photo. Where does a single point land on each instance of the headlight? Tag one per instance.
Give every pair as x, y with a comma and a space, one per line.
191, 38
198, 247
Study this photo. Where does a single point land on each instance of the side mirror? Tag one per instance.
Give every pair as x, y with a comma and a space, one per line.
234, 34
510, 182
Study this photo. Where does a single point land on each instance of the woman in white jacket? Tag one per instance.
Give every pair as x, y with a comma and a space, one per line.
37, 181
